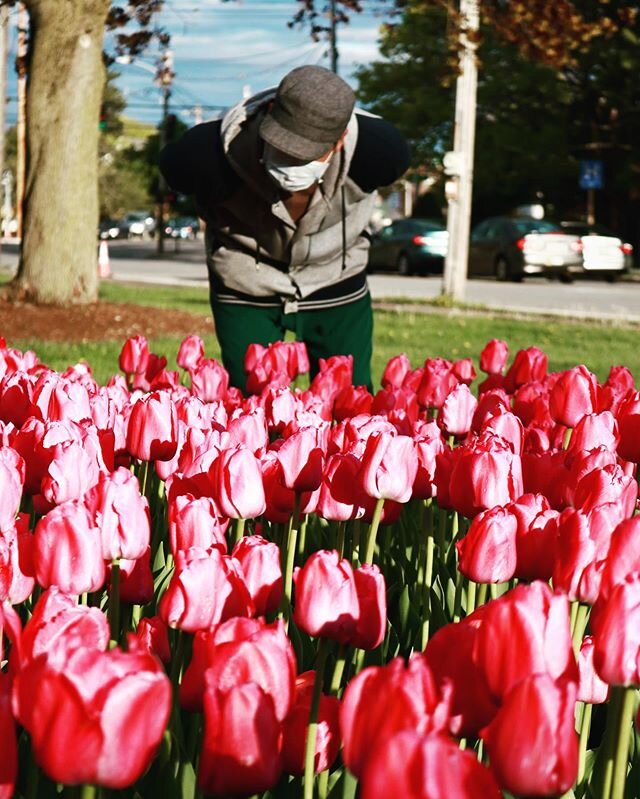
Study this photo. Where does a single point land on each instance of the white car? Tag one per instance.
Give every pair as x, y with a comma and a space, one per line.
602, 250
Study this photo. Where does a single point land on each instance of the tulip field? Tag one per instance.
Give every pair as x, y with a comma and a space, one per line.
427, 592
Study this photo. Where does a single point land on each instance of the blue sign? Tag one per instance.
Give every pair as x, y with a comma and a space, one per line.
591, 174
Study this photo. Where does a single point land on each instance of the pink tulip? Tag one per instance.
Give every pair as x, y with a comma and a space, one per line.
153, 428
615, 625
190, 352
209, 380
438, 380
529, 365
121, 514
8, 736
236, 478
302, 458
19, 543
68, 550
371, 625
396, 371
194, 522
629, 425
593, 430
12, 477
73, 470
259, 561
341, 497
591, 688
573, 396
206, 588
457, 411
389, 467
249, 430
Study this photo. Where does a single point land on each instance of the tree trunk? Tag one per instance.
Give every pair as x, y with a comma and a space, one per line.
58, 262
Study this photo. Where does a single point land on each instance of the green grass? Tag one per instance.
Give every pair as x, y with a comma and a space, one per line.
420, 335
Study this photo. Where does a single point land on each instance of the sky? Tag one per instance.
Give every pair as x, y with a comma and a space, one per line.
224, 49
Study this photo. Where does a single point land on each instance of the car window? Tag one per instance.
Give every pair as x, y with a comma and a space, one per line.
480, 231
524, 226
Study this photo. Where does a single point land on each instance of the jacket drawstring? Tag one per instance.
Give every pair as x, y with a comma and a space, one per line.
344, 230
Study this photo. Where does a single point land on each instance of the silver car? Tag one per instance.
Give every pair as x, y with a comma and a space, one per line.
510, 248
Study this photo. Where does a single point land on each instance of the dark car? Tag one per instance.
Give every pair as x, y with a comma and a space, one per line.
510, 248
603, 252
183, 227
410, 246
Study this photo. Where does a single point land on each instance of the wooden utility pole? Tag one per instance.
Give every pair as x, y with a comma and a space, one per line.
459, 163
21, 127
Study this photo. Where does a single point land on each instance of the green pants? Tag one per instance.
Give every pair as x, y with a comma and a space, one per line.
344, 330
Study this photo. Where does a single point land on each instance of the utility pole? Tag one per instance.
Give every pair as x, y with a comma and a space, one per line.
164, 79
4, 51
459, 163
21, 126
333, 36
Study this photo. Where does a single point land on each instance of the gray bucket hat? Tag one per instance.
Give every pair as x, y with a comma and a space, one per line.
310, 112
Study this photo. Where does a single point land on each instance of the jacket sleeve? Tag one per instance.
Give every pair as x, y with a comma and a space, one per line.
382, 154
196, 164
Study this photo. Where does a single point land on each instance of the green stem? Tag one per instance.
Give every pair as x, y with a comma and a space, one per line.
238, 530
342, 526
355, 543
373, 532
88, 792
567, 438
457, 601
114, 601
621, 749
442, 527
429, 548
603, 770
310, 751
472, 592
577, 632
481, 598
585, 728
302, 536
338, 671
289, 557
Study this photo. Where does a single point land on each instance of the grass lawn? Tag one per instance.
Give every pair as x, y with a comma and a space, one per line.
419, 334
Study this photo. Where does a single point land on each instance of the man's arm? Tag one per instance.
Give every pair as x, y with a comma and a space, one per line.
382, 154
196, 164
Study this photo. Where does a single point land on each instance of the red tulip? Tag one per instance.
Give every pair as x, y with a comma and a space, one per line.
19, 570
395, 371
573, 396
152, 432
68, 550
151, 636
428, 444
238, 490
416, 766
136, 579
240, 752
623, 557
121, 514
485, 473
449, 655
9, 759
302, 458
341, 497
335, 373
389, 467
536, 537
437, 381
542, 758
190, 352
487, 553
594, 430
294, 730
528, 366
493, 357
260, 566
351, 401
57, 399
629, 426
134, 355
96, 717
607, 485
522, 633
615, 625
205, 589
383, 700
371, 625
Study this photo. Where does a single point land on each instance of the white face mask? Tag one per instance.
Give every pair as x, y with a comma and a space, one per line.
292, 177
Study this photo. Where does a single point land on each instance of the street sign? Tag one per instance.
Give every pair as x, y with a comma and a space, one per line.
591, 174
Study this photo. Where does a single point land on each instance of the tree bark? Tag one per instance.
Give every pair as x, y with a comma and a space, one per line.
58, 261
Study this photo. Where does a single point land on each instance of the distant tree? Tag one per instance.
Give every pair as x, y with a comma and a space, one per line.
66, 73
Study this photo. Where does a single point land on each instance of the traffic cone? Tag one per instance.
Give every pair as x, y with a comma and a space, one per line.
104, 268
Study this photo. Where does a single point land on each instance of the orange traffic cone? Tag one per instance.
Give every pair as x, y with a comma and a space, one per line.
104, 268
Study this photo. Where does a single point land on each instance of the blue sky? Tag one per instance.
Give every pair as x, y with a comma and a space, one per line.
224, 48
221, 47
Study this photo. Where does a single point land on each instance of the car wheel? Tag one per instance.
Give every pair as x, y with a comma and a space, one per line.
566, 277
502, 270
613, 277
403, 265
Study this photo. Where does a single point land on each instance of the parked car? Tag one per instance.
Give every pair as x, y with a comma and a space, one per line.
602, 250
137, 224
108, 229
509, 248
409, 246
183, 227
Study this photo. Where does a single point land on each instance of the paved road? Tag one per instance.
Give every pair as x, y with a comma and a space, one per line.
183, 264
